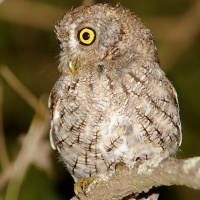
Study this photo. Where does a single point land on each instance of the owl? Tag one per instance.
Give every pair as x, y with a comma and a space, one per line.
112, 102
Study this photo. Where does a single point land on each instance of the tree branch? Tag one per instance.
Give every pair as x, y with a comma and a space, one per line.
143, 176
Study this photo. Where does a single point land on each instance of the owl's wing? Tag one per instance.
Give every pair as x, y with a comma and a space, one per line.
53, 101
175, 97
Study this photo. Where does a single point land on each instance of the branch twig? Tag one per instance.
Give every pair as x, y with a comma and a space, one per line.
177, 33
24, 13
144, 176
4, 158
15, 171
39, 127
14, 82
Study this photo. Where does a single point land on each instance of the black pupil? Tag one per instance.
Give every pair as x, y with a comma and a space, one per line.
86, 36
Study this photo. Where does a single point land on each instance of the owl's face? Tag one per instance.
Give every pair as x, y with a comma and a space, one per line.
100, 33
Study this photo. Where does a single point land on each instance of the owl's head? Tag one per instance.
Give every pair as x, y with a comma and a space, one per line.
101, 33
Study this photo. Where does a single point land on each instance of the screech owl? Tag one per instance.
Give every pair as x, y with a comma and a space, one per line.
112, 102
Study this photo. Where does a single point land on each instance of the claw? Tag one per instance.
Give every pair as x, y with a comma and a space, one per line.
120, 166
82, 185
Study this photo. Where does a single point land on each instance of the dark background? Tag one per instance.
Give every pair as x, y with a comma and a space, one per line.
28, 47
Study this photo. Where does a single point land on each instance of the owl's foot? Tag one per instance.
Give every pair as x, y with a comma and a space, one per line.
81, 186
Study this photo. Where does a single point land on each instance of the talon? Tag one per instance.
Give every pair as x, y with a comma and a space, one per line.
138, 159
82, 185
120, 165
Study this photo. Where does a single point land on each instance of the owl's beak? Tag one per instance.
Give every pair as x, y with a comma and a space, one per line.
73, 66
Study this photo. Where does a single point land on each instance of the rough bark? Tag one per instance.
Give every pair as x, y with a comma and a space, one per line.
143, 176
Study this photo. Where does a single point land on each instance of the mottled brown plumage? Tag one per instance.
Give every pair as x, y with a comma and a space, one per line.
112, 102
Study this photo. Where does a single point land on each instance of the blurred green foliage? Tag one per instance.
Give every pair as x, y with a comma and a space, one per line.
32, 54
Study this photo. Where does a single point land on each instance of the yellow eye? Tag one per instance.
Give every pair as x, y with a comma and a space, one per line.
87, 36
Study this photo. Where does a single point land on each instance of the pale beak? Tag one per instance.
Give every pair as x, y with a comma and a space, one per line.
72, 67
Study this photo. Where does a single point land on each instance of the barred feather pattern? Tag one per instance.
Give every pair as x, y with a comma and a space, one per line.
118, 105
